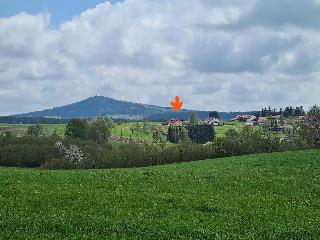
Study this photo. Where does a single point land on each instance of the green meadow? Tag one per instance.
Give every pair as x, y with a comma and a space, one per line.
21, 129
119, 130
124, 130
266, 196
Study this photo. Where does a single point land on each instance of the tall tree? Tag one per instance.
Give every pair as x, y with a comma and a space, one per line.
193, 118
99, 129
264, 112
77, 128
311, 126
201, 133
214, 114
177, 134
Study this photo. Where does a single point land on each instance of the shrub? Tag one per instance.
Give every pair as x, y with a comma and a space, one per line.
85, 154
26, 151
58, 164
35, 130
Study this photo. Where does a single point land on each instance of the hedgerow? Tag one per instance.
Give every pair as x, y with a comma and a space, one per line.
41, 151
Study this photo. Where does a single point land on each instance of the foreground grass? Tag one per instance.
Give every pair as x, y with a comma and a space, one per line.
273, 196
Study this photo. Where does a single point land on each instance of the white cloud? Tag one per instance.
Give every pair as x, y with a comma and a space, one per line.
225, 55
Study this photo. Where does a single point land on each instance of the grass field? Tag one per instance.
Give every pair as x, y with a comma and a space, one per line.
125, 129
267, 196
221, 130
21, 129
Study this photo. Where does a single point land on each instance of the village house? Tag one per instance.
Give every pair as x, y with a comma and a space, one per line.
210, 121
176, 122
244, 118
265, 120
262, 120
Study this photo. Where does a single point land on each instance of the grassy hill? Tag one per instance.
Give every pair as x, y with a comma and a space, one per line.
267, 196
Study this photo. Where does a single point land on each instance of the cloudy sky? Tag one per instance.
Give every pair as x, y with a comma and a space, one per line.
215, 54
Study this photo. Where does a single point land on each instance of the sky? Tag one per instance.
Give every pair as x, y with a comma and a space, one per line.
225, 55
60, 10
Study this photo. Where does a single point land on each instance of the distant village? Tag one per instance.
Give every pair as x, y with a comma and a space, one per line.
282, 120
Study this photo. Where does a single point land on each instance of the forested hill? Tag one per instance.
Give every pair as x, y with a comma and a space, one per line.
104, 106
98, 106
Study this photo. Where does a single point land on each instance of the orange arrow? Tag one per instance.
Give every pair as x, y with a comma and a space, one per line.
177, 105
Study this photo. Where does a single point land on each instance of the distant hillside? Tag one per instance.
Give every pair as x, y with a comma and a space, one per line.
104, 106
98, 106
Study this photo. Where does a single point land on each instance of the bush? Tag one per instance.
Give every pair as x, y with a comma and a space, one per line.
58, 164
26, 151
35, 130
41, 151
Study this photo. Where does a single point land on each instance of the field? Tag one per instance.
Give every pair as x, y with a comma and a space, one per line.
266, 196
221, 130
21, 129
123, 129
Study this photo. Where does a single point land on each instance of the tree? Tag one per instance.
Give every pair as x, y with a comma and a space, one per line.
193, 118
288, 112
77, 128
99, 130
201, 133
264, 112
132, 128
311, 126
299, 112
137, 127
269, 111
177, 134
145, 127
171, 135
281, 111
157, 133
35, 130
184, 135
214, 114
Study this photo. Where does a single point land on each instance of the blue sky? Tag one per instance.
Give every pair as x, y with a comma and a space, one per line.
60, 10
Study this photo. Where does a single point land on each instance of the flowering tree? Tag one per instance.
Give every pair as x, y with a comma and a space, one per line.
72, 154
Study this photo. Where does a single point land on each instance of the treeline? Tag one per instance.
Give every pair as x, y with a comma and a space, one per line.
286, 112
163, 117
85, 154
32, 120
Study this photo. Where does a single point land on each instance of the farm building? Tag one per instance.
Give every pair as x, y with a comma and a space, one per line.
244, 118
262, 120
176, 122
210, 121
